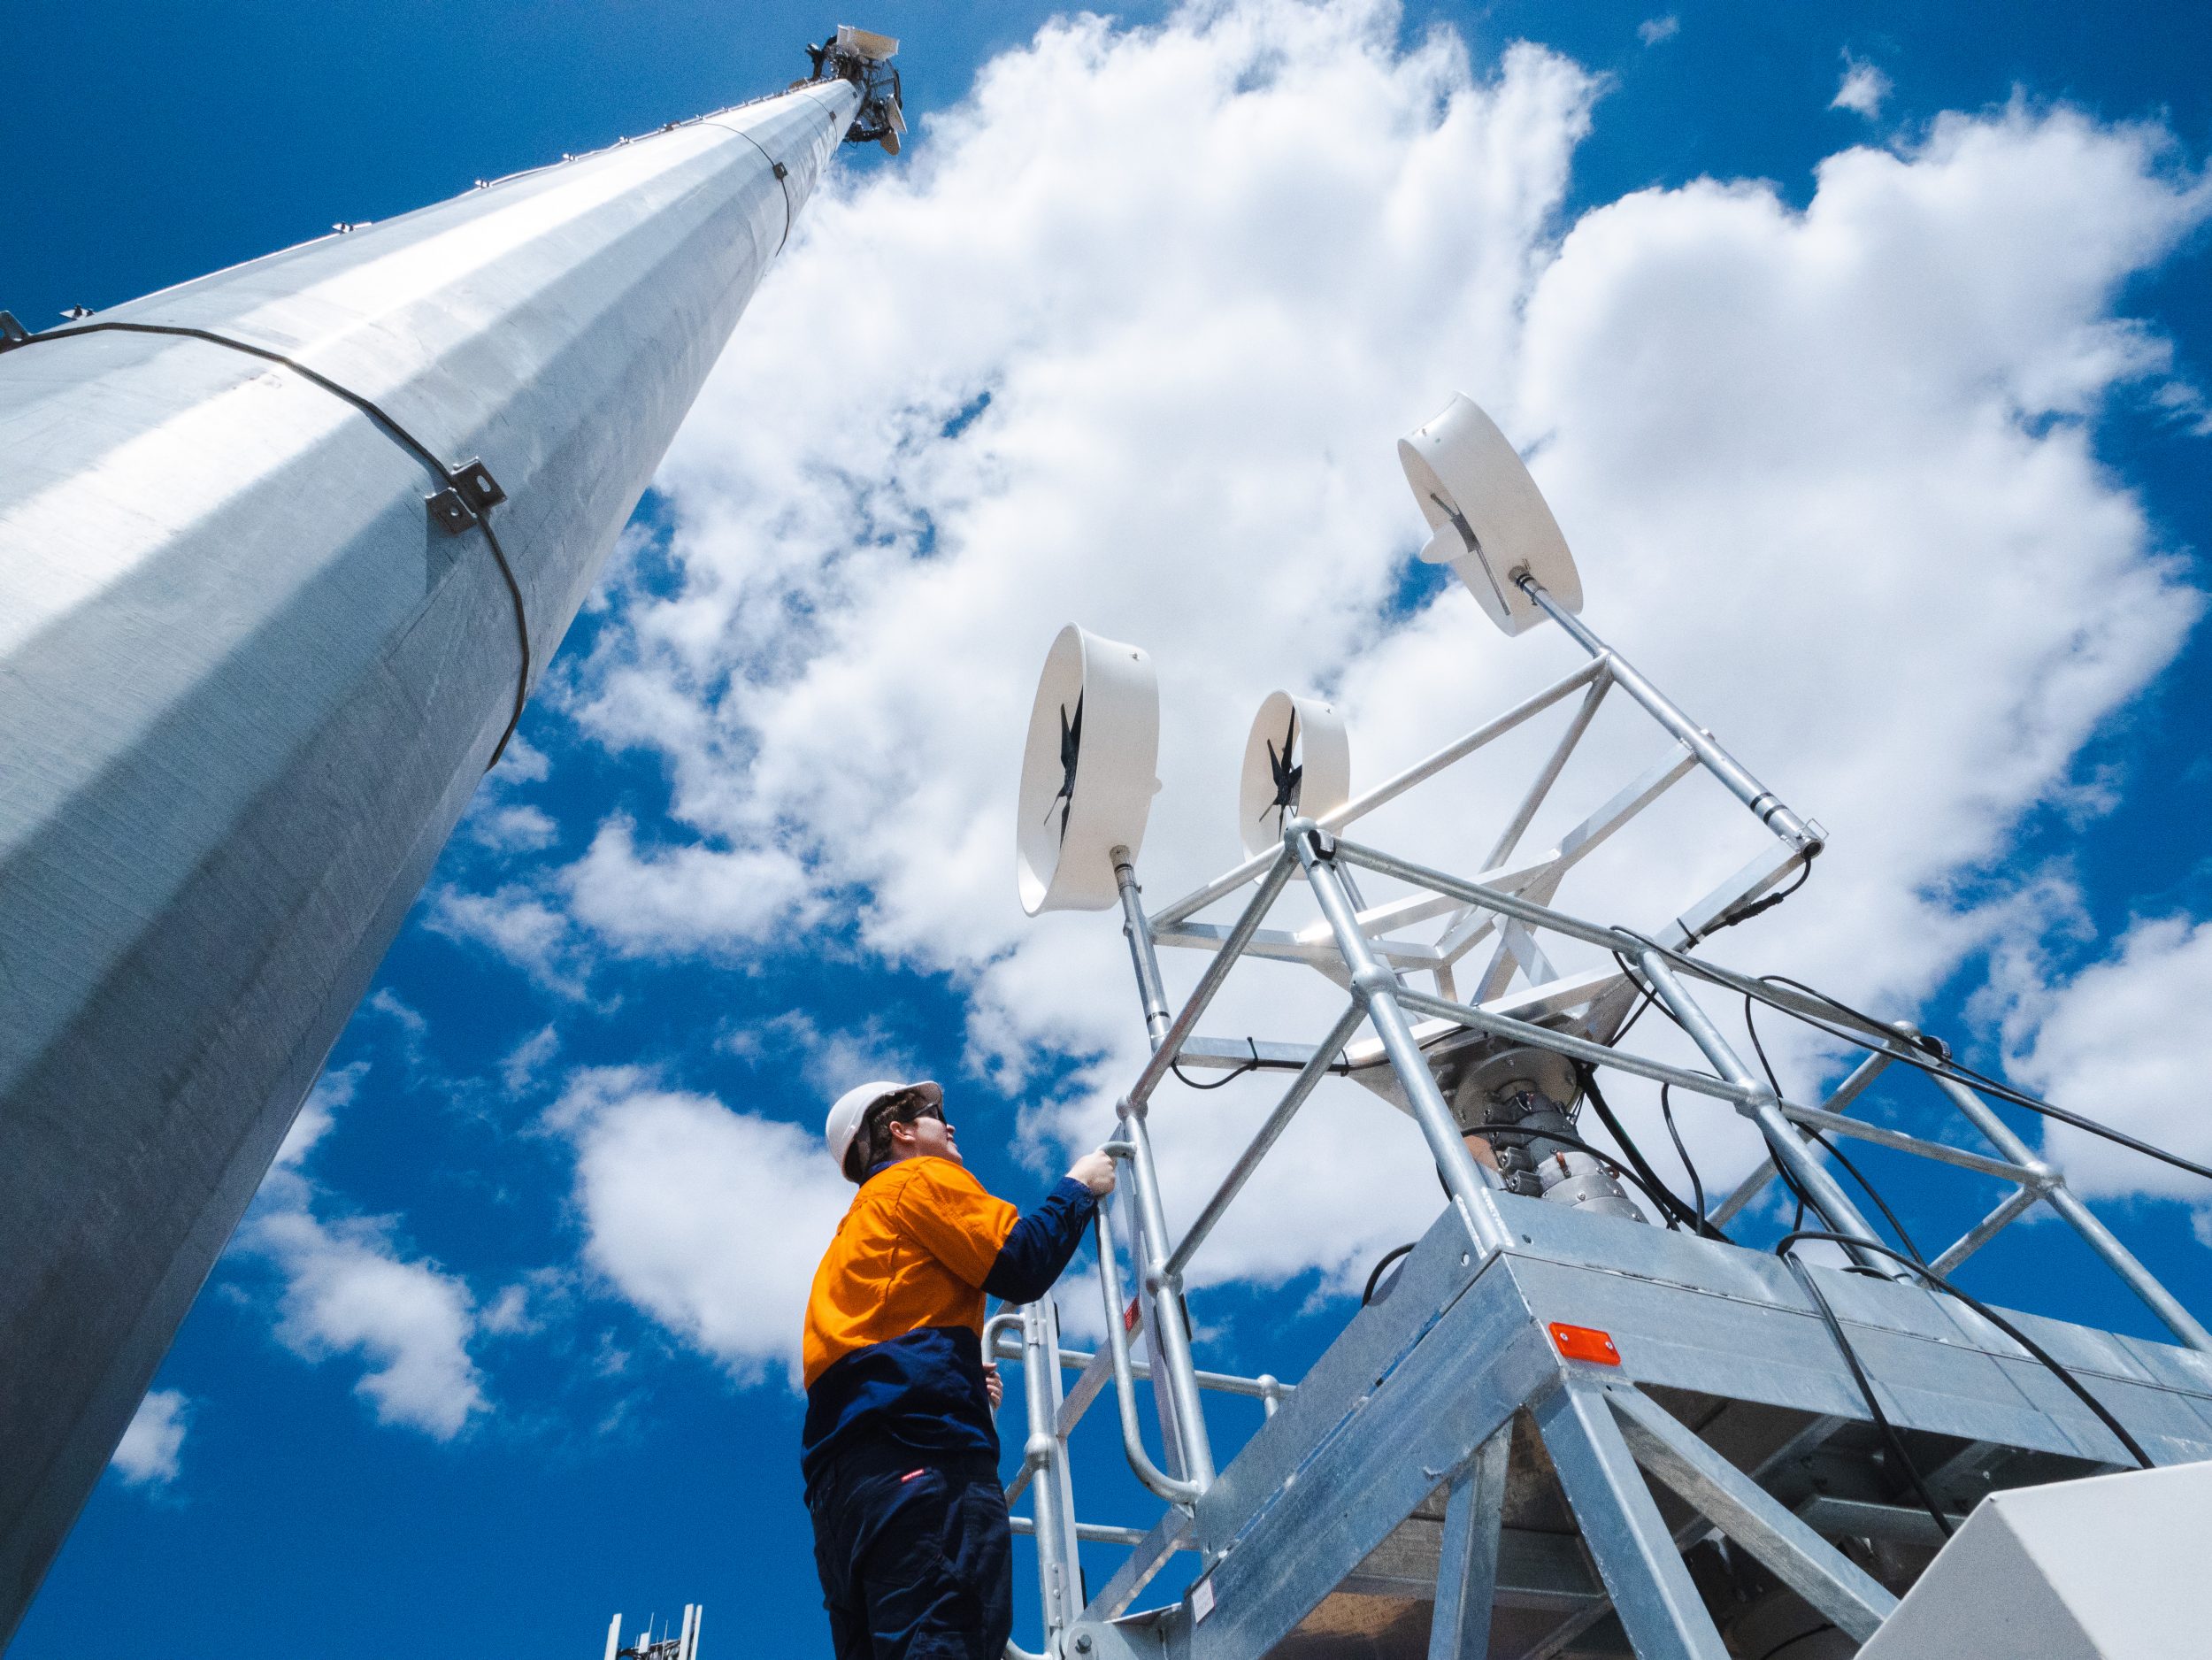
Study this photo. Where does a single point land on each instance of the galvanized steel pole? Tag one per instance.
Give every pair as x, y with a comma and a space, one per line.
280, 551
1809, 1175
1769, 806
1376, 987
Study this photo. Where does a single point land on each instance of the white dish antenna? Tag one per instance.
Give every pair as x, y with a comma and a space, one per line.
1297, 761
1088, 770
1489, 521
866, 43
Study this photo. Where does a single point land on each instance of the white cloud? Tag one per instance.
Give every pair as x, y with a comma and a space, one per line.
348, 1290
831, 1061
526, 1061
1864, 89
148, 1452
332, 1095
495, 819
508, 1314
1651, 31
1830, 474
2125, 1041
711, 1220
516, 922
684, 898
521, 828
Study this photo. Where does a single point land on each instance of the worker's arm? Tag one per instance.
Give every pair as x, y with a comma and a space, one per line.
985, 1243
1041, 1243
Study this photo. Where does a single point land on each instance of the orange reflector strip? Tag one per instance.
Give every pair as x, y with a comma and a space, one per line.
1581, 1342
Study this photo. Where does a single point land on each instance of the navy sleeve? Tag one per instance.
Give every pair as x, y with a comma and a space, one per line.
1040, 1244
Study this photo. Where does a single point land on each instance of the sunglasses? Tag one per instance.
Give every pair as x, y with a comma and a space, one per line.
905, 1109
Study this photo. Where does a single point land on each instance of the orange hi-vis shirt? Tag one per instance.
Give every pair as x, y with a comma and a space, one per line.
894, 1343
912, 1252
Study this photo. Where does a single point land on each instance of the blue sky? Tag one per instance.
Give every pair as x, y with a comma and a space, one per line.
558, 1426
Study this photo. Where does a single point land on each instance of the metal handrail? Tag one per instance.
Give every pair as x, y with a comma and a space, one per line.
1173, 1489
1266, 1388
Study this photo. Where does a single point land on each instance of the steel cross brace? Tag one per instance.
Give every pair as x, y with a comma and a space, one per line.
1790, 1550
1420, 1383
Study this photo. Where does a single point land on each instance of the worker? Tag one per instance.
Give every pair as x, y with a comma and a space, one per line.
899, 1452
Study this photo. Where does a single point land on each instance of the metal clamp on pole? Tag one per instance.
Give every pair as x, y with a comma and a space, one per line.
1806, 838
1376, 987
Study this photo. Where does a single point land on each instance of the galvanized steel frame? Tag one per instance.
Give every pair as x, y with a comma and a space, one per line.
1420, 1390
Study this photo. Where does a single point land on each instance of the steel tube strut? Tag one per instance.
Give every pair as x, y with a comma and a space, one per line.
1174, 1490
2122, 1261
1467, 1555
1801, 1559
1374, 985
1190, 904
1265, 1137
1182, 1417
1059, 1585
1763, 801
2007, 1210
1762, 1107
1749, 1189
1651, 1589
1164, 1045
1164, 1298
1144, 960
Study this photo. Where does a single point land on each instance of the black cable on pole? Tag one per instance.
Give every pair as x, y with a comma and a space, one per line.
1886, 1039
1866, 1387
1672, 1203
2034, 1349
399, 435
1697, 1182
1760, 907
1834, 1152
1375, 1279
1942, 1065
1637, 1013
1235, 1073
1871, 1192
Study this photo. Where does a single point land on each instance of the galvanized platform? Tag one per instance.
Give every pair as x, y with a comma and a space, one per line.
1329, 1533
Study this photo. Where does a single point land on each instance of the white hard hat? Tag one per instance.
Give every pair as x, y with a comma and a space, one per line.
852, 1107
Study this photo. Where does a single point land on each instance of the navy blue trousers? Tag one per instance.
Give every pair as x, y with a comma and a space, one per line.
915, 1553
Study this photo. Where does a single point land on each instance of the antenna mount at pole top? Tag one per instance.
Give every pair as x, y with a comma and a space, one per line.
863, 58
